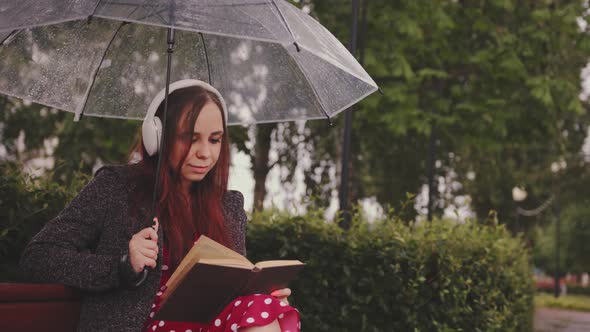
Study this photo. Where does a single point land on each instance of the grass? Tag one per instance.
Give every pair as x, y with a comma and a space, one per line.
571, 302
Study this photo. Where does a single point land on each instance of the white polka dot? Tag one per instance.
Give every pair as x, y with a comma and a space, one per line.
154, 328
158, 293
228, 316
161, 323
250, 320
257, 294
264, 314
238, 302
164, 267
172, 331
283, 304
268, 301
281, 316
189, 330
250, 303
153, 305
234, 327
151, 314
299, 325
217, 322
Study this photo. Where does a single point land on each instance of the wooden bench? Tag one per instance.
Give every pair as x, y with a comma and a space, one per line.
36, 307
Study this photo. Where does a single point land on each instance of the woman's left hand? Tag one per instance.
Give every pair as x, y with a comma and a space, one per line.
282, 294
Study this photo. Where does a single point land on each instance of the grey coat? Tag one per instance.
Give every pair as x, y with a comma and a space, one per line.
83, 246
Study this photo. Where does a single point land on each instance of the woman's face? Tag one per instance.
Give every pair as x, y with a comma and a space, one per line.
205, 145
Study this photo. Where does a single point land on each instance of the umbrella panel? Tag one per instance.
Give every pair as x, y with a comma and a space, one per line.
53, 65
317, 40
134, 70
19, 14
250, 19
260, 81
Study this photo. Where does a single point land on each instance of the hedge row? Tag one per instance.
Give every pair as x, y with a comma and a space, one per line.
26, 204
389, 276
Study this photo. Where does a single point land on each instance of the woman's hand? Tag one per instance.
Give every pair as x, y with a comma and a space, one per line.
282, 294
143, 248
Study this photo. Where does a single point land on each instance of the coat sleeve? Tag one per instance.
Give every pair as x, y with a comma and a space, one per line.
236, 219
62, 251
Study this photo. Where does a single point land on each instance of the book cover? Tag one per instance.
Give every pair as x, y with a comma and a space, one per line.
211, 275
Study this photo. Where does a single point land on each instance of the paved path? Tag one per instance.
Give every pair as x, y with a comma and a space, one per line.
559, 320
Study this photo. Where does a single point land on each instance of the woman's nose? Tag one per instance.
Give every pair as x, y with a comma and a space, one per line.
203, 151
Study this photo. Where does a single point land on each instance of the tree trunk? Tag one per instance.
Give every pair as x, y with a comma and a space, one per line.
260, 166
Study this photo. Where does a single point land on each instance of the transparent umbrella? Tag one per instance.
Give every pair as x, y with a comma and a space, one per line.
271, 61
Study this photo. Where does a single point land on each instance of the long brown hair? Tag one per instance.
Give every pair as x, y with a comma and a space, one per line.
203, 215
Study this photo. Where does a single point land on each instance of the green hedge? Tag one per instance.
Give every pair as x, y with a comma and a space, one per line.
578, 290
26, 204
389, 276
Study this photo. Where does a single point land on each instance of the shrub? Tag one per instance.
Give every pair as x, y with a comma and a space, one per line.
26, 204
388, 276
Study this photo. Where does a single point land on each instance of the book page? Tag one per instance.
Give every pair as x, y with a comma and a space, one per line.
203, 248
277, 263
226, 262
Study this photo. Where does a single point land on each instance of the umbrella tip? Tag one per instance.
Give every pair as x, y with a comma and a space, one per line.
296, 47
381, 91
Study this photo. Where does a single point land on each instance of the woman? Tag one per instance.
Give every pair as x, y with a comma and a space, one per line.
104, 239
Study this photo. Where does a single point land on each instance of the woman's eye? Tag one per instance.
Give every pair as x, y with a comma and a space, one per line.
215, 140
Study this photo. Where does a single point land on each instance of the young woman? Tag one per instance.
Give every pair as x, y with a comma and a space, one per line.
104, 239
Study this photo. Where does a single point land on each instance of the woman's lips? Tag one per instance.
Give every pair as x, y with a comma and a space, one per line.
198, 169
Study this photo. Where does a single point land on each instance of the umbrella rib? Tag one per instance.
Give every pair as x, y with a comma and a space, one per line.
322, 107
206, 58
207, 6
80, 111
95, 7
286, 24
12, 34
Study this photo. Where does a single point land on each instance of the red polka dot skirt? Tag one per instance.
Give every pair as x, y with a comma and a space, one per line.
242, 312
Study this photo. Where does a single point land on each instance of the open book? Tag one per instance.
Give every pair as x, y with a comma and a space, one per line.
211, 275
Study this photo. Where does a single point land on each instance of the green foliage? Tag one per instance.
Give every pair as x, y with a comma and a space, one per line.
570, 302
80, 145
26, 204
498, 80
579, 290
574, 235
389, 276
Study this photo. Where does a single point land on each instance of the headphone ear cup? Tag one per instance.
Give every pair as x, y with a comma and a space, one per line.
158, 125
151, 133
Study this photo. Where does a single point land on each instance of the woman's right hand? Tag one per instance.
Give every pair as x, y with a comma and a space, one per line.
143, 248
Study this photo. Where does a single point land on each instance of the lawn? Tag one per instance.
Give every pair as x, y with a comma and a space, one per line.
572, 302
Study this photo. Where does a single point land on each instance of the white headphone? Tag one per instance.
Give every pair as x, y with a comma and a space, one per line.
151, 130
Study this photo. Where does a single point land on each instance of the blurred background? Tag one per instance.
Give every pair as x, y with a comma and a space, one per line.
484, 116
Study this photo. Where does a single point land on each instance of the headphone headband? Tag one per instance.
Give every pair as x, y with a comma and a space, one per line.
159, 98
152, 125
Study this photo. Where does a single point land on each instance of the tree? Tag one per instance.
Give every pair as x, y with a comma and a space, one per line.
498, 79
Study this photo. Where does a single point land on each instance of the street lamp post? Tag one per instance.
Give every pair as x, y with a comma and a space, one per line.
345, 223
557, 244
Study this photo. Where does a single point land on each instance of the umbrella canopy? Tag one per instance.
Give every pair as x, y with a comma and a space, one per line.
271, 61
